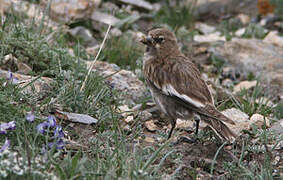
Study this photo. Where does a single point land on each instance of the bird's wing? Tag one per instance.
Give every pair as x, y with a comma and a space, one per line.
180, 79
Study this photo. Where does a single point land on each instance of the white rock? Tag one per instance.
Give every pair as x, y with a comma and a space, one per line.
129, 119
259, 120
273, 38
240, 118
139, 3
244, 85
240, 32
245, 19
104, 18
204, 28
216, 36
150, 126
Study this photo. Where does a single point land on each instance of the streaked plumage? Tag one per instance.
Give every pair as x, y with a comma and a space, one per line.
176, 84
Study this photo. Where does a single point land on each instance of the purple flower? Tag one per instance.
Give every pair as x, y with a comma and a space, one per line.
51, 121
59, 144
41, 127
30, 117
58, 132
7, 126
5, 146
9, 75
11, 78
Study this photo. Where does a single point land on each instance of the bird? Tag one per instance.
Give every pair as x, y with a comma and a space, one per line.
176, 84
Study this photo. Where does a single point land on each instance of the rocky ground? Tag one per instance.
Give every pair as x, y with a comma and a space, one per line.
55, 126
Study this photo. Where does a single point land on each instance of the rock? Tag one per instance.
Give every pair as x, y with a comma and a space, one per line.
62, 10
245, 19
204, 28
124, 110
240, 32
109, 7
12, 63
84, 34
184, 124
149, 139
144, 115
260, 121
74, 117
4, 6
240, 118
277, 127
139, 3
190, 123
129, 119
273, 38
39, 85
92, 50
216, 9
115, 32
253, 56
124, 81
244, 85
228, 83
104, 18
150, 126
212, 37
127, 21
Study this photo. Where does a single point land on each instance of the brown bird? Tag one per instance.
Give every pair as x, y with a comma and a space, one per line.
176, 84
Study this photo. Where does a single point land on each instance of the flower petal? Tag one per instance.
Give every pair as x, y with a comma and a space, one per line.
41, 127
5, 146
58, 132
7, 126
51, 121
30, 117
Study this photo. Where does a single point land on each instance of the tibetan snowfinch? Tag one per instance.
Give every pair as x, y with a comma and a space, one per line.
176, 84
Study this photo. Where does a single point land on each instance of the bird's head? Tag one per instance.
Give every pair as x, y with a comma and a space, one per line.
160, 42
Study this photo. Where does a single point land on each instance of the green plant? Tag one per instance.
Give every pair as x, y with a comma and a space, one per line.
123, 52
178, 15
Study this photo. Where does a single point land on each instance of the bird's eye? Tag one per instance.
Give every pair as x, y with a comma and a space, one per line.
159, 39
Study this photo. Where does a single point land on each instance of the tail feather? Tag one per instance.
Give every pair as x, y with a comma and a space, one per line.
216, 123
215, 113
223, 131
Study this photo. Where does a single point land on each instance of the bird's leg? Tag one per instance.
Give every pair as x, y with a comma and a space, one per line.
197, 119
173, 124
192, 139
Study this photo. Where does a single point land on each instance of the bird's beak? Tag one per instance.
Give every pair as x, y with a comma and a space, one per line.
146, 40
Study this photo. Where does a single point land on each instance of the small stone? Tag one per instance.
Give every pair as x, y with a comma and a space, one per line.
139, 3
240, 118
92, 50
259, 120
144, 115
245, 19
84, 34
124, 110
129, 119
204, 28
150, 126
212, 37
244, 85
240, 32
104, 18
273, 38
184, 124
277, 127
115, 32
149, 139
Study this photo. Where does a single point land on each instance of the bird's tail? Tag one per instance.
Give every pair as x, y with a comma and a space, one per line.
216, 123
